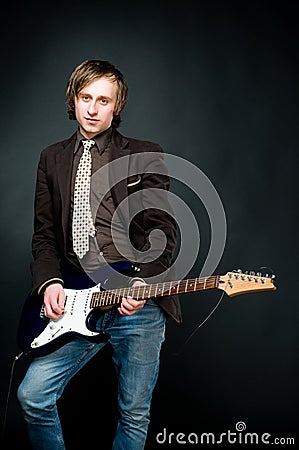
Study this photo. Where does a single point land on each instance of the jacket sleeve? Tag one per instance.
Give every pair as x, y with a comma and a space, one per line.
45, 267
156, 221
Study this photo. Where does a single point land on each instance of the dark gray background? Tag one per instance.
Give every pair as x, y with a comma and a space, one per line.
215, 83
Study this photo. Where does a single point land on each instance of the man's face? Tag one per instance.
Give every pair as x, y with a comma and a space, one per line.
94, 106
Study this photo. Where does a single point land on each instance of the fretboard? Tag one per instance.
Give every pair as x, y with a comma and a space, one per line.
143, 292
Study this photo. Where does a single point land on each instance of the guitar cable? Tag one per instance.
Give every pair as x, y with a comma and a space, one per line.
9, 391
19, 355
270, 274
177, 353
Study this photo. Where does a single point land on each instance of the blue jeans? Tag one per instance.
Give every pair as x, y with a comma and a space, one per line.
136, 342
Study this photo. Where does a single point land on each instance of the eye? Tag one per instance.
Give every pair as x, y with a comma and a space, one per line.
104, 101
84, 97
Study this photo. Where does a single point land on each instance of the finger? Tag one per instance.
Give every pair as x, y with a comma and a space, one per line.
54, 300
129, 306
130, 303
50, 313
61, 300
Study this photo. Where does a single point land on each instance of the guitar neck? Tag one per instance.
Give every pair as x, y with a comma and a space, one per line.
143, 292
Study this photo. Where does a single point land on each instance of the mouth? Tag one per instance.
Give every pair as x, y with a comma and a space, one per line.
90, 120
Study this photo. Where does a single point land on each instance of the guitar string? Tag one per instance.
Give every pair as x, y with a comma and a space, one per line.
182, 286
111, 297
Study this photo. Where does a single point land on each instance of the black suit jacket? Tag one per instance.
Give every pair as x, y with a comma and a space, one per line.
141, 168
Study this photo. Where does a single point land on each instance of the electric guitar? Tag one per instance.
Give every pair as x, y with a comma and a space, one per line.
39, 335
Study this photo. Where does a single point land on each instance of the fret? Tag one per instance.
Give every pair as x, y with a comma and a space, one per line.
170, 287
133, 292
141, 292
110, 299
104, 298
147, 291
150, 290
190, 284
113, 297
107, 298
92, 300
119, 297
97, 298
175, 287
159, 289
163, 288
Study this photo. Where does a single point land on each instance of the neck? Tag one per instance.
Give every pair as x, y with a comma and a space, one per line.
143, 292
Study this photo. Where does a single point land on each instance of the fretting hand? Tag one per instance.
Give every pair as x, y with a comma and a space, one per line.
129, 305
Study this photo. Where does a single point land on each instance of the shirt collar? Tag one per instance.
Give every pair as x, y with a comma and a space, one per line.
102, 140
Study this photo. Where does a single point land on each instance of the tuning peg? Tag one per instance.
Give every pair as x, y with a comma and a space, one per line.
267, 275
272, 276
237, 270
251, 272
259, 274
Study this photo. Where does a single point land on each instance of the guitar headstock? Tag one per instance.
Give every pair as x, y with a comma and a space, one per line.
237, 282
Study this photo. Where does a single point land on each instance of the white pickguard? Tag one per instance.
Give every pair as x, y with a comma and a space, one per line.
73, 320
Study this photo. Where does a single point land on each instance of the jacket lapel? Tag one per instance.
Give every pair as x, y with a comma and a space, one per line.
118, 174
64, 162
119, 169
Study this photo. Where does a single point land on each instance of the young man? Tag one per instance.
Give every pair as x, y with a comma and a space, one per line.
122, 225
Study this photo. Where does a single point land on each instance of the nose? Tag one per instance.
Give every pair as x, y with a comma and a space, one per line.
92, 108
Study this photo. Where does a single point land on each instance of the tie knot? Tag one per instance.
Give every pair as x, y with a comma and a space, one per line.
87, 143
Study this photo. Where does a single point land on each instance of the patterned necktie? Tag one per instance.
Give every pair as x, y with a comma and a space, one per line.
83, 226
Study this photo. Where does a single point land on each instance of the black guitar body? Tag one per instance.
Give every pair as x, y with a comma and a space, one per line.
33, 322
